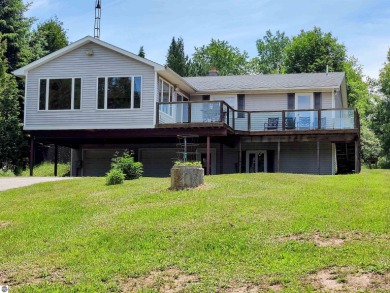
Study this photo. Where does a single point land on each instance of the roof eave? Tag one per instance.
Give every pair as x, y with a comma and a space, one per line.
267, 90
21, 72
178, 79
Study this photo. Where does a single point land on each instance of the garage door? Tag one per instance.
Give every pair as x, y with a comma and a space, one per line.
97, 162
157, 162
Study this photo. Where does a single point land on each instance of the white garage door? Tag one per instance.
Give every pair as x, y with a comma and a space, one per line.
97, 162
157, 162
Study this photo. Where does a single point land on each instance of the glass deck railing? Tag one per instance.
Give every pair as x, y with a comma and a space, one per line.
285, 120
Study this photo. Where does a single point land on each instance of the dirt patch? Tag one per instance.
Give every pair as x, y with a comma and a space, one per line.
322, 239
240, 288
33, 275
267, 284
344, 279
204, 187
170, 281
4, 224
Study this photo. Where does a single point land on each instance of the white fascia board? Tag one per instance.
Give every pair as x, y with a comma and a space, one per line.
81, 127
174, 78
266, 91
23, 70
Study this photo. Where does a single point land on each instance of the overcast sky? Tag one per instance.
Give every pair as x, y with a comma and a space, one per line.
363, 26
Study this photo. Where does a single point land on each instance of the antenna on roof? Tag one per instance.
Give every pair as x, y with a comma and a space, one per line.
98, 15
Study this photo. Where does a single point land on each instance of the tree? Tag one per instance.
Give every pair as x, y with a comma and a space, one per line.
176, 59
357, 89
381, 117
312, 51
371, 146
141, 52
219, 54
14, 27
271, 53
12, 141
54, 34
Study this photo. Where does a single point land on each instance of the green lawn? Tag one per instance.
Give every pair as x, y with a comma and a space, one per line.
238, 232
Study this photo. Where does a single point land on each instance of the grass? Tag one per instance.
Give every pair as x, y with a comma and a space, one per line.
83, 236
46, 169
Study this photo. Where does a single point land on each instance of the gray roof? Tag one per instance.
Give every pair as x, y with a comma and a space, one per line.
266, 81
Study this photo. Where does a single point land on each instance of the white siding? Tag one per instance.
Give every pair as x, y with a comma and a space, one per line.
269, 102
302, 158
104, 62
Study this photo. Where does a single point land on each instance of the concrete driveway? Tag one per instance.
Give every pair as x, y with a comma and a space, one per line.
16, 182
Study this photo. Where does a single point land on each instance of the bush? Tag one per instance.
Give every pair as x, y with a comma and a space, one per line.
115, 176
195, 164
126, 164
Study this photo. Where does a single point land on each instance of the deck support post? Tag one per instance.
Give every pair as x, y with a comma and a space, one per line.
208, 156
278, 160
221, 158
318, 158
55, 160
32, 153
239, 156
357, 167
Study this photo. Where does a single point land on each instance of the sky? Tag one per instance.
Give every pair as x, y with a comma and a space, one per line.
363, 26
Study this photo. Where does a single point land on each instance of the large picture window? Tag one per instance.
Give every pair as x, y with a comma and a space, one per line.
60, 94
119, 92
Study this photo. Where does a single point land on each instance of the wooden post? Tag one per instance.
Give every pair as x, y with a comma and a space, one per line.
208, 156
55, 159
283, 121
221, 112
32, 157
157, 113
278, 166
239, 156
318, 158
189, 112
249, 121
319, 126
221, 158
357, 167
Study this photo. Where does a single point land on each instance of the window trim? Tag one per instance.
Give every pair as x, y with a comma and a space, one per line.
72, 94
106, 77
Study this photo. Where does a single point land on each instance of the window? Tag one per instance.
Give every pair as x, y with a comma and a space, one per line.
241, 106
119, 92
60, 94
165, 96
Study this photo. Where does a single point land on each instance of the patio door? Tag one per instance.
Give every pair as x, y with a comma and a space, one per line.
304, 102
256, 161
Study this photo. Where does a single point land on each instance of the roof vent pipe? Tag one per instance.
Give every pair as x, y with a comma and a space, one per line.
327, 69
213, 71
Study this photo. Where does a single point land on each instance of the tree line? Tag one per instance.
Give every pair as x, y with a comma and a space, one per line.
23, 40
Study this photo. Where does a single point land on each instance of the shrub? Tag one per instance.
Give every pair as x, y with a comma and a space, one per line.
126, 164
115, 176
195, 164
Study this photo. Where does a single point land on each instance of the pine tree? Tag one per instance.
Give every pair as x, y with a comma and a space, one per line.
141, 52
12, 141
15, 27
176, 59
